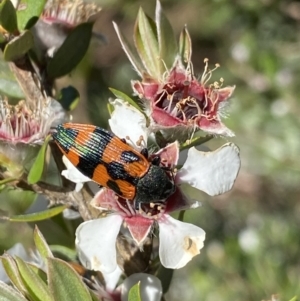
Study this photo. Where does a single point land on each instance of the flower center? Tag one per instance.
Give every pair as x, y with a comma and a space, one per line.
17, 122
180, 101
151, 210
188, 99
68, 13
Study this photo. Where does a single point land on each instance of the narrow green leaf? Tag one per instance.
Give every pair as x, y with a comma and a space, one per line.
12, 272
7, 180
145, 38
7, 293
125, 97
185, 46
64, 283
134, 293
127, 49
37, 168
110, 108
295, 298
166, 39
38, 216
71, 52
28, 13
65, 252
2, 38
18, 46
39, 272
41, 244
94, 295
8, 18
34, 284
17, 200
195, 142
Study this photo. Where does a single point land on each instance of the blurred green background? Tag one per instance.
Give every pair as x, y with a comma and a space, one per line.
252, 247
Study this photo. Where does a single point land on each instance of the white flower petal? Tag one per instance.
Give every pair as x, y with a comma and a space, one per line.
111, 279
73, 174
150, 287
96, 243
178, 242
211, 172
127, 121
71, 214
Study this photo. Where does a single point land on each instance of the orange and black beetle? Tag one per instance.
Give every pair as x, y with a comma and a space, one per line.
112, 163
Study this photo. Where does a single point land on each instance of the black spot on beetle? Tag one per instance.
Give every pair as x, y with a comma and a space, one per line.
129, 157
114, 186
117, 172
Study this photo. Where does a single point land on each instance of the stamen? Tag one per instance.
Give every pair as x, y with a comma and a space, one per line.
186, 85
164, 91
207, 72
126, 211
129, 205
190, 70
214, 101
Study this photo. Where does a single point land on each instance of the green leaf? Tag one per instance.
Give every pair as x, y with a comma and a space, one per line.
64, 283
7, 180
38, 216
71, 52
41, 244
65, 252
12, 272
166, 39
195, 142
125, 97
69, 98
8, 83
8, 18
17, 201
94, 295
36, 287
127, 49
185, 46
18, 46
2, 38
39, 272
7, 293
29, 13
145, 38
134, 293
294, 298
37, 168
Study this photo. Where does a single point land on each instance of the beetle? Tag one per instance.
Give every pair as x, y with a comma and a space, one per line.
111, 162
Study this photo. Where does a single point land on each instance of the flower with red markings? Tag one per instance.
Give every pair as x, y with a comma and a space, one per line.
181, 100
211, 172
173, 96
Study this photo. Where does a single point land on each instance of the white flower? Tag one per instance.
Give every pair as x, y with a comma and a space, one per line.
211, 172
73, 174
